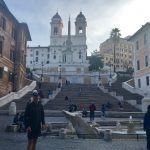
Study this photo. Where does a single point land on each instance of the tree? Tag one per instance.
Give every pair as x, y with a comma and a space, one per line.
130, 70
95, 61
28, 70
115, 36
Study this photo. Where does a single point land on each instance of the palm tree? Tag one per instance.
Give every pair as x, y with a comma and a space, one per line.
115, 35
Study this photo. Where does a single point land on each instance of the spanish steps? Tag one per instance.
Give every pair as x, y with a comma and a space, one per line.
117, 87
82, 95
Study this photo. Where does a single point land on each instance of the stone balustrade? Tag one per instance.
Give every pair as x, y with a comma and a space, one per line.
17, 95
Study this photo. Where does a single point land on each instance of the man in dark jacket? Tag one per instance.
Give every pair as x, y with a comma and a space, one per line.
147, 126
34, 117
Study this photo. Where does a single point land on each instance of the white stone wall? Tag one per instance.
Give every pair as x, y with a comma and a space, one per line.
144, 87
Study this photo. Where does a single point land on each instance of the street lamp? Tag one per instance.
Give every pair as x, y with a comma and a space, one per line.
59, 69
99, 74
42, 71
110, 71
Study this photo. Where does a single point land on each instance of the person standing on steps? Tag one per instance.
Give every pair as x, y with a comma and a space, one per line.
147, 126
34, 117
103, 109
92, 108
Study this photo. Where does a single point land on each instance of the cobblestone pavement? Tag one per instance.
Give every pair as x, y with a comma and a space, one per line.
17, 141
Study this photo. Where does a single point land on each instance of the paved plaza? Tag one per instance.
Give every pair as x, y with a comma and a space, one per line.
17, 141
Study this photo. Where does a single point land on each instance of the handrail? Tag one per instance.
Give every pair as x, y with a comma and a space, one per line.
17, 95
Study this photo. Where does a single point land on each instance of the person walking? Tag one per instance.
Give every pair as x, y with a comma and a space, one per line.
34, 117
92, 108
147, 126
103, 109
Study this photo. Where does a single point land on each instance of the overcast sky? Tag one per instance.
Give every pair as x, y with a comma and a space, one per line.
101, 16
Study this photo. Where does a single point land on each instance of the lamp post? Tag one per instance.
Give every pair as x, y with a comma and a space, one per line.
42, 71
59, 69
110, 70
99, 78
33, 65
99, 74
60, 79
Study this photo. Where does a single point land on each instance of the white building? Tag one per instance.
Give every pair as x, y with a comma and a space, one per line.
66, 55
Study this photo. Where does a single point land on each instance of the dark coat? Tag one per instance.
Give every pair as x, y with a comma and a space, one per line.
147, 121
34, 116
92, 108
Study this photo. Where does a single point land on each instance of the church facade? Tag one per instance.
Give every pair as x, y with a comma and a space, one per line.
67, 54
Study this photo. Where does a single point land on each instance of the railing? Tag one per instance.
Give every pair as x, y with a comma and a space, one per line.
132, 89
17, 95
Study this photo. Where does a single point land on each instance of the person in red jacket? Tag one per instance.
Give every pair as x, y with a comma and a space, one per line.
34, 117
92, 108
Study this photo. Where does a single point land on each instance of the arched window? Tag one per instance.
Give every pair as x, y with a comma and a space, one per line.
80, 30
54, 56
55, 30
64, 58
1, 44
80, 54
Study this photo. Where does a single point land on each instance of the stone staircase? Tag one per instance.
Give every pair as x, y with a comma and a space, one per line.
82, 95
79, 94
117, 87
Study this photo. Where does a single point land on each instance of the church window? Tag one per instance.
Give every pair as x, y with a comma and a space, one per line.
36, 59
80, 30
64, 58
54, 56
48, 56
55, 30
79, 54
37, 53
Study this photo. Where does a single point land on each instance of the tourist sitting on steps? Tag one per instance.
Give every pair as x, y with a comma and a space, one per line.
72, 107
103, 109
108, 105
84, 112
66, 98
19, 121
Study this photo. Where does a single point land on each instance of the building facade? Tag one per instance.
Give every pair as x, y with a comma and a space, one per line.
13, 40
67, 54
123, 54
141, 45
